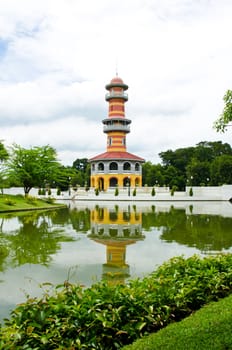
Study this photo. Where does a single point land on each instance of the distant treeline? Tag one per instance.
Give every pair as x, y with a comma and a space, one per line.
206, 164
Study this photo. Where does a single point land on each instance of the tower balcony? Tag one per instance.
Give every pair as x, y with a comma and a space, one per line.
116, 94
116, 127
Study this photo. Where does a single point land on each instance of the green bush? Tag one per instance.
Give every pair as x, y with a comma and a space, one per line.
134, 192
116, 192
9, 201
58, 191
43, 191
107, 316
96, 191
191, 192
153, 191
173, 190
31, 199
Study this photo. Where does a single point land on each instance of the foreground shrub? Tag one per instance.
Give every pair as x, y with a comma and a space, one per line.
31, 200
108, 317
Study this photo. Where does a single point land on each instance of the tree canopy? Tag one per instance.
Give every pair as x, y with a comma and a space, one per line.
204, 164
33, 167
225, 118
3, 152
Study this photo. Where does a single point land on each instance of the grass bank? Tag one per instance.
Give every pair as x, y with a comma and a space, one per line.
107, 317
10, 203
208, 328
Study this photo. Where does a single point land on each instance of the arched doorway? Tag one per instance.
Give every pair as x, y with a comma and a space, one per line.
137, 181
113, 182
126, 181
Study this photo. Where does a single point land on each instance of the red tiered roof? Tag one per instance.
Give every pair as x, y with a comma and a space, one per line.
116, 156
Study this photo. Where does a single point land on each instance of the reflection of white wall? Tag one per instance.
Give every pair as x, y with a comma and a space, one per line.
9, 225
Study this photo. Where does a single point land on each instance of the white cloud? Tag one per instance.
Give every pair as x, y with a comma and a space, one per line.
57, 56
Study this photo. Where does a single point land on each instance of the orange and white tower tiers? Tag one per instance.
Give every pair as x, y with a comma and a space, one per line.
116, 167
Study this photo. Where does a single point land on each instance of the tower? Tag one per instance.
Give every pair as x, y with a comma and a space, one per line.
116, 167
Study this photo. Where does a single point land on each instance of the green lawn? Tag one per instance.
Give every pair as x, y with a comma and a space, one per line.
208, 328
9, 203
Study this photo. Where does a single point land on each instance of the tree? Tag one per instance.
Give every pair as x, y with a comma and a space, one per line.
225, 118
198, 173
3, 157
33, 167
82, 168
221, 170
3, 152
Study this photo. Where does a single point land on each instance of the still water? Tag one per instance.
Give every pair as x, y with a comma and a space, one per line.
84, 243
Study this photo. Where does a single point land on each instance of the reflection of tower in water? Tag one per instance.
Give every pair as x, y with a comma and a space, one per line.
116, 229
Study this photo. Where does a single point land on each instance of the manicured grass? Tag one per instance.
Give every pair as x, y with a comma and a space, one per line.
9, 203
208, 328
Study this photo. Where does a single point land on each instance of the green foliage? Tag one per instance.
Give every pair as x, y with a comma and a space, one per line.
82, 172
58, 192
3, 152
191, 165
226, 117
116, 192
153, 193
108, 317
33, 167
173, 190
191, 192
31, 200
3, 251
134, 192
43, 192
221, 170
96, 191
9, 201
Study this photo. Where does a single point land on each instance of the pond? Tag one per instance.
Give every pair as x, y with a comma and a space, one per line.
86, 242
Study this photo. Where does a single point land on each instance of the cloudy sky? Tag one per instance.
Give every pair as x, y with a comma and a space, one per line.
56, 56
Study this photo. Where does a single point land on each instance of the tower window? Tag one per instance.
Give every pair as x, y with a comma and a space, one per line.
124, 141
100, 166
126, 166
109, 141
93, 167
136, 166
113, 166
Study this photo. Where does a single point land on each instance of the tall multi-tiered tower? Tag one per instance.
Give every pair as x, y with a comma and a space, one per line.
116, 167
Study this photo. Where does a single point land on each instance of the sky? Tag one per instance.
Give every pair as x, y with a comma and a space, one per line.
56, 56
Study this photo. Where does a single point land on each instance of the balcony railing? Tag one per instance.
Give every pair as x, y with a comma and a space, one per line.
114, 127
116, 94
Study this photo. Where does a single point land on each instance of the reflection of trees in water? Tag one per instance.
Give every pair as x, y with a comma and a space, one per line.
35, 239
205, 232
80, 220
